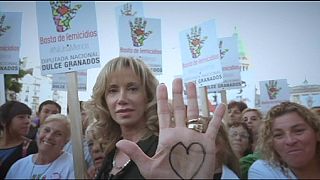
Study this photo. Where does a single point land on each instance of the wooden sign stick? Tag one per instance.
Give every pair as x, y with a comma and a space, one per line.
76, 126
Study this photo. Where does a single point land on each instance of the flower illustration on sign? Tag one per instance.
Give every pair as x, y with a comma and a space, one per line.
272, 89
3, 28
195, 42
138, 32
221, 50
63, 14
127, 10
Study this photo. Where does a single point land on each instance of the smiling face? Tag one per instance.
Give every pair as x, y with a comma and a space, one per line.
294, 140
126, 98
53, 136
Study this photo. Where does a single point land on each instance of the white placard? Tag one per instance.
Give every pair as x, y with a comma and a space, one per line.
141, 38
229, 56
68, 36
10, 40
200, 55
59, 81
273, 92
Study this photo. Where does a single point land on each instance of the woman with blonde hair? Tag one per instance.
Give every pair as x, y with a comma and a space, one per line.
253, 119
289, 143
124, 105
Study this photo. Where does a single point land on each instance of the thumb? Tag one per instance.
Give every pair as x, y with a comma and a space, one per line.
134, 152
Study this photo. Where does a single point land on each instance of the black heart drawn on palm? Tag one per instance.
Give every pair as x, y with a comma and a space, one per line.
195, 158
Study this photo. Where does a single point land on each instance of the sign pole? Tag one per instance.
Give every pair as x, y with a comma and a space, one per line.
204, 101
2, 89
224, 100
76, 126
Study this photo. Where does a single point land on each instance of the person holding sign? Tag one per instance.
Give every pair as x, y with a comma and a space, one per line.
127, 111
51, 162
289, 143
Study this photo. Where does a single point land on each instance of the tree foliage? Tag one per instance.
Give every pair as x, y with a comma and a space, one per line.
12, 80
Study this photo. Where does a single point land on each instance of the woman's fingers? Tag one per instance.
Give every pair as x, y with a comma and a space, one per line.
179, 109
193, 109
215, 122
162, 107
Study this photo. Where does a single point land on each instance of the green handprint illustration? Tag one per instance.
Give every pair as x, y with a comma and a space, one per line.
272, 89
138, 33
3, 28
222, 52
195, 41
127, 10
63, 14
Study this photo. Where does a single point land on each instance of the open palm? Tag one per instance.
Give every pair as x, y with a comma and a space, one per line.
181, 153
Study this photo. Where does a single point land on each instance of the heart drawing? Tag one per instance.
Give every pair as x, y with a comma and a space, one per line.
176, 167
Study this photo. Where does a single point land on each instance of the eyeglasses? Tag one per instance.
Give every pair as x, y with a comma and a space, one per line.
242, 135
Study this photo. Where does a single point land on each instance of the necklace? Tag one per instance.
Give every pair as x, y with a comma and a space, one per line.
114, 162
38, 175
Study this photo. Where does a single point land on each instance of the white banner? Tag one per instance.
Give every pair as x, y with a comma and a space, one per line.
59, 81
200, 55
10, 40
141, 38
68, 36
229, 56
273, 92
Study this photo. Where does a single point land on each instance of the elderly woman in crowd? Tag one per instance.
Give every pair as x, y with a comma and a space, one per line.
240, 138
289, 143
14, 126
51, 162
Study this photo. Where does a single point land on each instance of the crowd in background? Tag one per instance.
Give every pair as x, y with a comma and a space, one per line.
131, 130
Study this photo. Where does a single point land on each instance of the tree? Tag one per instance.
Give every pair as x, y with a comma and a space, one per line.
12, 80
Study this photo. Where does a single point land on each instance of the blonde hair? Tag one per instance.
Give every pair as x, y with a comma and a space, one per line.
265, 140
60, 118
252, 110
107, 130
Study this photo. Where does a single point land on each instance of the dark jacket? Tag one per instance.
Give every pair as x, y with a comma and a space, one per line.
131, 171
19, 152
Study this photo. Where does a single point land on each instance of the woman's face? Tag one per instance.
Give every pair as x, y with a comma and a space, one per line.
234, 114
253, 121
52, 137
294, 140
46, 111
126, 99
239, 140
20, 125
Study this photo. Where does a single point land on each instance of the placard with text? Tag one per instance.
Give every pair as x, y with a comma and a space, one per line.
200, 54
68, 36
141, 38
10, 40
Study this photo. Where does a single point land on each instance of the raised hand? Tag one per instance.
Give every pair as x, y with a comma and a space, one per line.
272, 89
138, 32
181, 153
3, 28
127, 10
63, 14
195, 41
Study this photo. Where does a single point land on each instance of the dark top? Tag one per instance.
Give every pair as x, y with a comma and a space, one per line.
131, 171
18, 152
